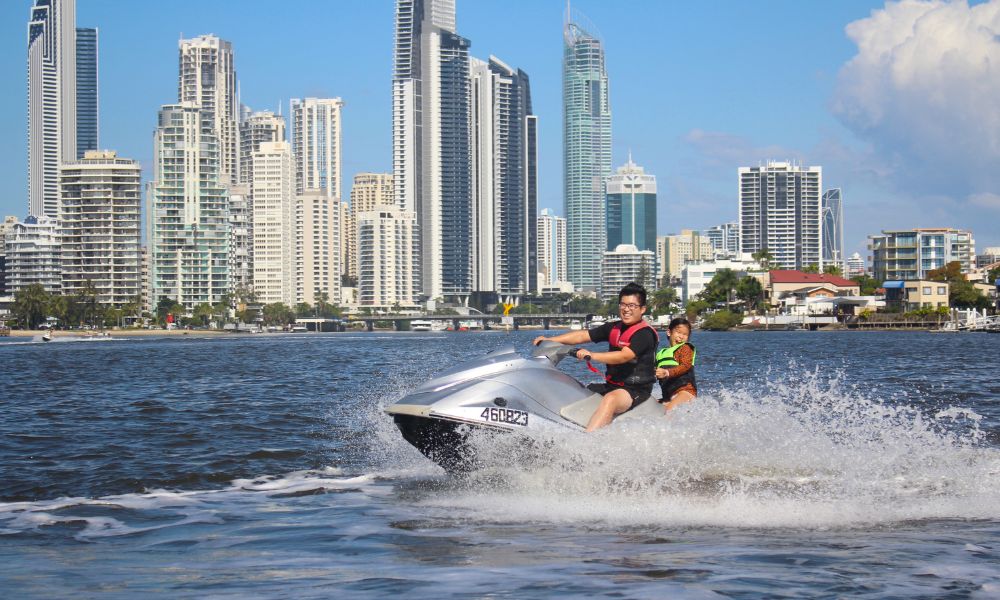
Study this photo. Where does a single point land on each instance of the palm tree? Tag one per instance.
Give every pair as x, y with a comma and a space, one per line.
764, 258
30, 305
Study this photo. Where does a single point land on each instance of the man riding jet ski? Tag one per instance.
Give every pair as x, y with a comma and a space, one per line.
500, 392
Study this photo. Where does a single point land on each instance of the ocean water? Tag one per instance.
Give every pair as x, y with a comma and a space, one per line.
813, 464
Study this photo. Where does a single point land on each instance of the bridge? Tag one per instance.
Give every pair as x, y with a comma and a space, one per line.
402, 322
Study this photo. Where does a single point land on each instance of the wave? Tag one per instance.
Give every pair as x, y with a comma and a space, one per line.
813, 452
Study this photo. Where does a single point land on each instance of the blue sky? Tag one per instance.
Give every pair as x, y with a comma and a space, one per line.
870, 91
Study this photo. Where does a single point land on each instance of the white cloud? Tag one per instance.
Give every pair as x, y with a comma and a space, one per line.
985, 200
923, 90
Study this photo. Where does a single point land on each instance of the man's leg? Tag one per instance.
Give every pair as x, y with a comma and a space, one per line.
613, 403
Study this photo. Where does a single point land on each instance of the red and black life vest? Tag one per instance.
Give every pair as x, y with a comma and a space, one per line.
639, 370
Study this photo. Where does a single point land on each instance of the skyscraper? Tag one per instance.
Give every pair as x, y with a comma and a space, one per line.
274, 224
631, 208
86, 91
33, 254
586, 151
52, 133
386, 241
316, 134
779, 210
317, 247
368, 191
551, 249
188, 210
725, 239
207, 78
100, 227
430, 133
503, 207
255, 129
833, 228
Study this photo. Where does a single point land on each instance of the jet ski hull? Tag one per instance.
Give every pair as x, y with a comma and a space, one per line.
444, 442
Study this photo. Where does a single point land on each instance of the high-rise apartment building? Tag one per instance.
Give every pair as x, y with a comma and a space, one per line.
100, 227
833, 228
255, 129
86, 91
631, 208
52, 97
33, 254
367, 191
623, 265
674, 251
430, 138
386, 248
780, 210
855, 265
725, 239
503, 154
551, 232
317, 247
274, 224
908, 254
316, 135
240, 242
188, 210
207, 78
586, 151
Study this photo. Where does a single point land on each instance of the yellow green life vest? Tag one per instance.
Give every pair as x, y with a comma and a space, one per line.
665, 356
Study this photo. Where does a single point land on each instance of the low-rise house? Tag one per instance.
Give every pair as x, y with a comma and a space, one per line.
911, 295
790, 283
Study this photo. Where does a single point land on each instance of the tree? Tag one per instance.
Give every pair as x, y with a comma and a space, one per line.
750, 292
721, 287
832, 270
303, 309
59, 307
585, 304
811, 268
202, 313
764, 258
695, 308
993, 275
663, 301
951, 273
278, 313
866, 284
722, 320
30, 305
167, 306
961, 292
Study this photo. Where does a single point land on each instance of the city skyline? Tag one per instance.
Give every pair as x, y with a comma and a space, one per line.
668, 107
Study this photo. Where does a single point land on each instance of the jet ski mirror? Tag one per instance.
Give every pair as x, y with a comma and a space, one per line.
554, 351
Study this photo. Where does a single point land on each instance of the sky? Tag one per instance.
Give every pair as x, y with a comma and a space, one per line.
895, 100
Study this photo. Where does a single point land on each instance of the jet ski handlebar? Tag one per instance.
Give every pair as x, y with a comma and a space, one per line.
554, 351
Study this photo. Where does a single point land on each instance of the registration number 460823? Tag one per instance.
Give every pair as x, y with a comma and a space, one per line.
505, 415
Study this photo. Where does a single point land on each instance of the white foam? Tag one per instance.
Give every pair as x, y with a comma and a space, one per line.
814, 453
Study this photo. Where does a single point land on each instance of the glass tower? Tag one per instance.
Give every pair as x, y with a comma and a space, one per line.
631, 211
833, 228
86, 90
586, 151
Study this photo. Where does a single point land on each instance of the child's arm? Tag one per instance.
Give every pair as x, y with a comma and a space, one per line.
685, 357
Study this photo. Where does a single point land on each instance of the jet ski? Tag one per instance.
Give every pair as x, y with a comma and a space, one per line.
501, 392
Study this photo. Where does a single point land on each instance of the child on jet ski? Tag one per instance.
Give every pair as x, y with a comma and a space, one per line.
675, 365
630, 356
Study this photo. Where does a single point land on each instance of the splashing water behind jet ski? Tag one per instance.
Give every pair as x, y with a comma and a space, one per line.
500, 392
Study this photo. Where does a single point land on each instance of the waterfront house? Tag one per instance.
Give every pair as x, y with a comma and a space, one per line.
911, 295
